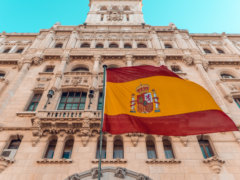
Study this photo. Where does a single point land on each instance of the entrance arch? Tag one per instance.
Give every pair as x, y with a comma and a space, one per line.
109, 173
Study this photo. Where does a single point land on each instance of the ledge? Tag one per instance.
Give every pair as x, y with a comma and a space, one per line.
163, 161
4, 163
54, 161
111, 161
46, 73
26, 114
214, 163
230, 80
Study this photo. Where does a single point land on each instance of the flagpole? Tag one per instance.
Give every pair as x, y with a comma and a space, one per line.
102, 116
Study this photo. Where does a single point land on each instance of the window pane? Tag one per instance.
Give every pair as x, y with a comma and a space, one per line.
118, 153
151, 154
31, 106
209, 151
169, 154
81, 106
203, 152
67, 155
63, 99
74, 106
35, 107
76, 99
68, 106
70, 99
61, 106
50, 154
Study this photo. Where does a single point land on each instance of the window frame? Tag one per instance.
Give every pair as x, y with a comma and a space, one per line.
58, 45
85, 45
168, 46
207, 51
151, 149
66, 149
72, 103
237, 101
167, 147
46, 153
118, 149
104, 148
36, 103
203, 148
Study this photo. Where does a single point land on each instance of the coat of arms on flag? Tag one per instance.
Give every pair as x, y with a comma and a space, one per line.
146, 100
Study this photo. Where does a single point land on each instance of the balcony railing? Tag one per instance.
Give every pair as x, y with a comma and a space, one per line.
63, 114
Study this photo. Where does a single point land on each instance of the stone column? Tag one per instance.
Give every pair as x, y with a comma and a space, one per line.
193, 44
213, 48
59, 148
155, 40
180, 41
121, 44
161, 59
211, 87
72, 40
14, 85
129, 59
3, 85
106, 44
229, 44
159, 148
134, 44
109, 147
36, 42
93, 44
48, 40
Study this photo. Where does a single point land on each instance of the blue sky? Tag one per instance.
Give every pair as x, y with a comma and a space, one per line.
198, 16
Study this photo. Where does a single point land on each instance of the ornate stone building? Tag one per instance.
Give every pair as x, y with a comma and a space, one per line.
50, 99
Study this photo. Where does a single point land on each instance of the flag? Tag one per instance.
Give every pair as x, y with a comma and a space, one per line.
154, 100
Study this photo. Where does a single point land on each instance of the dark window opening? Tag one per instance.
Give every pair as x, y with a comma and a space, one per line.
72, 101
34, 102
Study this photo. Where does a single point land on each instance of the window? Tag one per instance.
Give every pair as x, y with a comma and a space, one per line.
104, 145
127, 17
168, 46
2, 75
6, 50
99, 46
72, 101
113, 45
168, 149
11, 149
118, 149
80, 69
34, 102
176, 69
59, 45
227, 76
112, 66
127, 46
49, 69
67, 151
85, 45
237, 100
51, 148
207, 51
100, 101
220, 51
141, 45
115, 8
151, 151
20, 50
206, 148
102, 17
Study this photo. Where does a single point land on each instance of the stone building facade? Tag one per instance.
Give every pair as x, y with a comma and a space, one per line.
50, 99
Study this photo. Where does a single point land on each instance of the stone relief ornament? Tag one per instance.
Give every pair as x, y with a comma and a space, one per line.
188, 60
115, 15
37, 60
120, 172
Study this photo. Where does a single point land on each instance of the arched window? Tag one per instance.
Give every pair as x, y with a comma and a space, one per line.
11, 150
2, 74
99, 45
51, 148
176, 69
113, 45
220, 51
6, 50
72, 101
80, 69
127, 46
104, 147
151, 151
168, 46
49, 69
100, 101
103, 8
59, 45
126, 8
85, 45
118, 152
207, 51
227, 76
112, 66
67, 151
206, 148
168, 149
20, 50
141, 45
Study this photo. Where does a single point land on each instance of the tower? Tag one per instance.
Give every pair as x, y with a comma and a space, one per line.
115, 12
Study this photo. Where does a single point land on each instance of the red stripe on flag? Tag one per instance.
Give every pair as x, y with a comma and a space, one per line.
202, 122
125, 74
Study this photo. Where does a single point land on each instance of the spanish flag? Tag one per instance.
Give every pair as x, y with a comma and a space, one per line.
154, 100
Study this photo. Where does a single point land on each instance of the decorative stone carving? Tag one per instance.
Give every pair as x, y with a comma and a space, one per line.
54, 161
85, 140
94, 173
184, 140
4, 163
214, 163
115, 15
134, 138
37, 60
163, 161
120, 172
111, 161
188, 60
